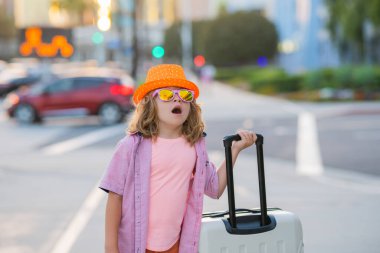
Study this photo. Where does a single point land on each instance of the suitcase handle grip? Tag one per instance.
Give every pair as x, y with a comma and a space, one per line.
227, 141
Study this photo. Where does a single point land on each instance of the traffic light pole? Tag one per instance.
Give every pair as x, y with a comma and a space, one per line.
186, 34
135, 57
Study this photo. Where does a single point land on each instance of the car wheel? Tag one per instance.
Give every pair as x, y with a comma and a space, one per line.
25, 113
110, 113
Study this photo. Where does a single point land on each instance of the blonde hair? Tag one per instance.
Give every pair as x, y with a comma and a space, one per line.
145, 120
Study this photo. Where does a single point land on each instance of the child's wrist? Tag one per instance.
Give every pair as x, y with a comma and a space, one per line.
235, 150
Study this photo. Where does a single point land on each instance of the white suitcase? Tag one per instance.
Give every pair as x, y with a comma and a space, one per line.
250, 230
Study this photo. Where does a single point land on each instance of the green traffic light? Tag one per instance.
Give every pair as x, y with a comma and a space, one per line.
158, 52
97, 38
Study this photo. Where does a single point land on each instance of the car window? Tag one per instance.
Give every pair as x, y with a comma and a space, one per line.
85, 83
38, 89
25, 80
112, 80
60, 86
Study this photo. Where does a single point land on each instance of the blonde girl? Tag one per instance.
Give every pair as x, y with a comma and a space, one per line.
160, 170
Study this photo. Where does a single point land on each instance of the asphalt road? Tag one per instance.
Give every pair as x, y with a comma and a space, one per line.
42, 193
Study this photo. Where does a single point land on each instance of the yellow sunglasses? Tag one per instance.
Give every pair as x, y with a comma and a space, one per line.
167, 95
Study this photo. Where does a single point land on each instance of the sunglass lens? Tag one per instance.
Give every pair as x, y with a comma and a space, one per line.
166, 95
186, 95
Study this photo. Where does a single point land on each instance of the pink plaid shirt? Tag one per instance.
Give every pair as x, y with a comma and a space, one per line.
128, 175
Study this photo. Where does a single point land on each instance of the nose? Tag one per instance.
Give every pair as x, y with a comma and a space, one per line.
177, 98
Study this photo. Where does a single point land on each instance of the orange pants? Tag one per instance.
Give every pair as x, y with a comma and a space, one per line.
173, 249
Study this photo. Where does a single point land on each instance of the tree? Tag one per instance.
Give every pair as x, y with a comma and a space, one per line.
373, 10
231, 39
172, 42
240, 38
347, 24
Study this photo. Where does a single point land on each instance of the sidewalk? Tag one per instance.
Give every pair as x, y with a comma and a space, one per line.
338, 210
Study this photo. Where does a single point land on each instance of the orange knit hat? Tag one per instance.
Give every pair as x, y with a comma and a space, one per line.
164, 75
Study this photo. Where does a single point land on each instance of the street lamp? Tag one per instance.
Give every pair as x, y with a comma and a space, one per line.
104, 11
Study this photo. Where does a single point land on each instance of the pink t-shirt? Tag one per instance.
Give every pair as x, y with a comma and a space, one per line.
173, 161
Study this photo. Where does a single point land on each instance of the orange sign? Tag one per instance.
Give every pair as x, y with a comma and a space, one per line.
33, 44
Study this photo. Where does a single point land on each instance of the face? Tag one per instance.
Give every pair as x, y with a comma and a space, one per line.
172, 113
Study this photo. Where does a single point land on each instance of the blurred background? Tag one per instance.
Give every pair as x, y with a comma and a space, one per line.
304, 73
326, 48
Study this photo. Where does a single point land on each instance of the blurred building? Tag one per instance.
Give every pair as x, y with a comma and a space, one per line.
160, 14
170, 11
236, 5
304, 42
8, 6
8, 47
31, 13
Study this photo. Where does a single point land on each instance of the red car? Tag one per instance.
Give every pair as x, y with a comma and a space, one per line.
108, 97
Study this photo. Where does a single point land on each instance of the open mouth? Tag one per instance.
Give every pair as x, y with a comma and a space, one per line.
177, 110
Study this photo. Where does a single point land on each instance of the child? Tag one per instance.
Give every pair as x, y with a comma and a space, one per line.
160, 170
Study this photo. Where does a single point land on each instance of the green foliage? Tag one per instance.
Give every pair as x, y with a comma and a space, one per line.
346, 23
272, 80
262, 80
200, 33
222, 10
242, 73
172, 42
343, 77
365, 78
240, 38
319, 79
233, 39
373, 10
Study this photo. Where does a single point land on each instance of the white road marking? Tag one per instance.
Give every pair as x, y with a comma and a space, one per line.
81, 141
308, 156
79, 222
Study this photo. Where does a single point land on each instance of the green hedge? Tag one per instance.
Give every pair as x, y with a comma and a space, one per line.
271, 80
268, 80
365, 78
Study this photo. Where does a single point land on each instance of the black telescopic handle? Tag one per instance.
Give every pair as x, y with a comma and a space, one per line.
227, 141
